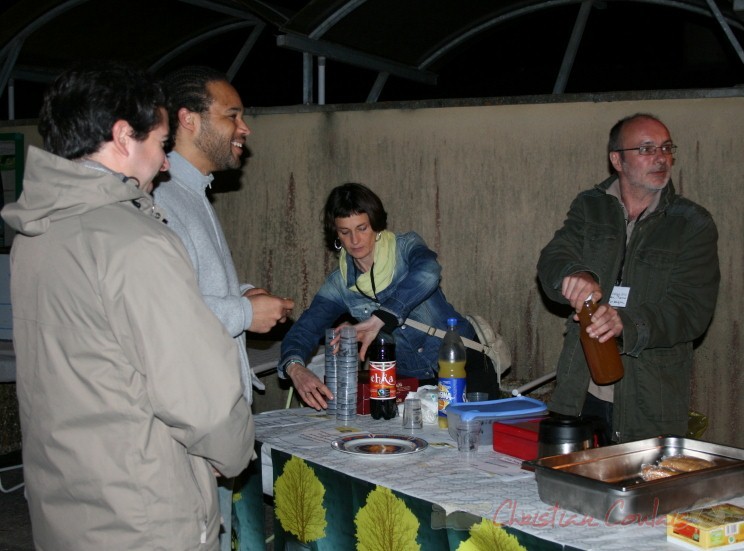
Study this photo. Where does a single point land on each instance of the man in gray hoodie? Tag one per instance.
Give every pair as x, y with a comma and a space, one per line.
208, 131
123, 427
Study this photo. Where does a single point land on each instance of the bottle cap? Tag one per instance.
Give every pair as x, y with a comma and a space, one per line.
412, 395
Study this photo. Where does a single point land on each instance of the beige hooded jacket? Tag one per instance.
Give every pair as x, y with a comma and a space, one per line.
129, 387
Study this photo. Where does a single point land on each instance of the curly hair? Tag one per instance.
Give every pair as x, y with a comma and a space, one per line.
81, 106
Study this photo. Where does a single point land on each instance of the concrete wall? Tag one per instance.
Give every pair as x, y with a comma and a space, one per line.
486, 186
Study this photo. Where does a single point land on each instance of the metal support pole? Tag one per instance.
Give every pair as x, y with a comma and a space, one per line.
726, 28
376, 90
321, 80
573, 46
307, 78
11, 99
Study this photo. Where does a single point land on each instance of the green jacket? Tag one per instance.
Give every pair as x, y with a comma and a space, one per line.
671, 267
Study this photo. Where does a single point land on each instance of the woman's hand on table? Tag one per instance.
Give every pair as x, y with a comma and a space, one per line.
310, 389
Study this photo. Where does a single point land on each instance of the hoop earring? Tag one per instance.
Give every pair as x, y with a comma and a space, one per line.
379, 235
337, 244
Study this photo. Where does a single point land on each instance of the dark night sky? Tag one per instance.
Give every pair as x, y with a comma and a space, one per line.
623, 48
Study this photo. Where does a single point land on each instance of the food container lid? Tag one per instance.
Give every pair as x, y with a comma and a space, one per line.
508, 408
562, 430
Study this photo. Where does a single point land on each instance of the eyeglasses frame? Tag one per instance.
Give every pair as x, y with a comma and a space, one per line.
672, 147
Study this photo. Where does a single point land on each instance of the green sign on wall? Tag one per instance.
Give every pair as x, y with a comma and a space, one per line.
11, 177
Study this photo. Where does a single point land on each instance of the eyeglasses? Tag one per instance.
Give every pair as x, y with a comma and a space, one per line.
666, 149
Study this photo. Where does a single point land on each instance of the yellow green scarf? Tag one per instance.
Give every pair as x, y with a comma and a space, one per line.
384, 266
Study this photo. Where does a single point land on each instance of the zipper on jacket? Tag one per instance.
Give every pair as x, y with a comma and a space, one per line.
205, 520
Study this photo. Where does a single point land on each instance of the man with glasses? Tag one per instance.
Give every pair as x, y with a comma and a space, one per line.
649, 257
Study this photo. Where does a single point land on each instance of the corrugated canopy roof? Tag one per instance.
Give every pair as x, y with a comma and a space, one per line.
281, 52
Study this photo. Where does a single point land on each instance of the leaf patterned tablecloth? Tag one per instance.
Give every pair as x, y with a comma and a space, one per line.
454, 481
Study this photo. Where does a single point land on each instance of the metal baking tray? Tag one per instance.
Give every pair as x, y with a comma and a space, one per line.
605, 483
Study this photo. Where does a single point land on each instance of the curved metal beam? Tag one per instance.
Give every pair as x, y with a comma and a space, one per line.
222, 8
196, 40
12, 49
10, 52
244, 51
376, 90
42, 20
354, 57
467, 33
726, 29
316, 34
335, 17
11, 56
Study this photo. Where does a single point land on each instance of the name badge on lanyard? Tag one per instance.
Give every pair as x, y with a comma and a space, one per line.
619, 296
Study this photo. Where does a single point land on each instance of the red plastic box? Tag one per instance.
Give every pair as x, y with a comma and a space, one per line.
517, 438
404, 386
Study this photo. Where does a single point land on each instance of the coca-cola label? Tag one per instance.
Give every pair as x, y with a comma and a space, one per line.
382, 380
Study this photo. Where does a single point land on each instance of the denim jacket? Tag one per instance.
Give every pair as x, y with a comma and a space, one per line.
414, 292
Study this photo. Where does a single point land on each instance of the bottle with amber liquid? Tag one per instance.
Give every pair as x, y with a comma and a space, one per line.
603, 358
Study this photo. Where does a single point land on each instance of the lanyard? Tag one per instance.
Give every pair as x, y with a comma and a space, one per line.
619, 278
372, 281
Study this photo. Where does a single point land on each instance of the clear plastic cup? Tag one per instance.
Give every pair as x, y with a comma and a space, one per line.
477, 396
468, 435
331, 370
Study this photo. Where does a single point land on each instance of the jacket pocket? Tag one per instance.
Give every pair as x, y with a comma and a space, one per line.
663, 384
600, 238
651, 274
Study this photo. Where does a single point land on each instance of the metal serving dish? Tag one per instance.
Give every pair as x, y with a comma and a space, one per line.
605, 483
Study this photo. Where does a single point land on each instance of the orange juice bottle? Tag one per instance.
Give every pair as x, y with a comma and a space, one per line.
451, 385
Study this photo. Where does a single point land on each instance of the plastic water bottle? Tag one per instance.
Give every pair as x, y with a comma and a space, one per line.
347, 362
451, 384
382, 377
331, 371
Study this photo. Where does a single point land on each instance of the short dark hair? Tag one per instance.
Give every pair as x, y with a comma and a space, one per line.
349, 199
187, 87
613, 144
81, 106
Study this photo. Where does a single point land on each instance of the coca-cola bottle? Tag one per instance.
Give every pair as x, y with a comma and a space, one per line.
382, 380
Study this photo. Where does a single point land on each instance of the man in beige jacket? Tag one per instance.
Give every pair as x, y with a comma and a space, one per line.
129, 387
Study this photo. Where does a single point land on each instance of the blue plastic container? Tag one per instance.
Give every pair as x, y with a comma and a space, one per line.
518, 407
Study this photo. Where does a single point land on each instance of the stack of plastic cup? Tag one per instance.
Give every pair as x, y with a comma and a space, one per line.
347, 362
331, 370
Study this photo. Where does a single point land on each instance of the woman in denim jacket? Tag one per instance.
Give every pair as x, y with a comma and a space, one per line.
382, 279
